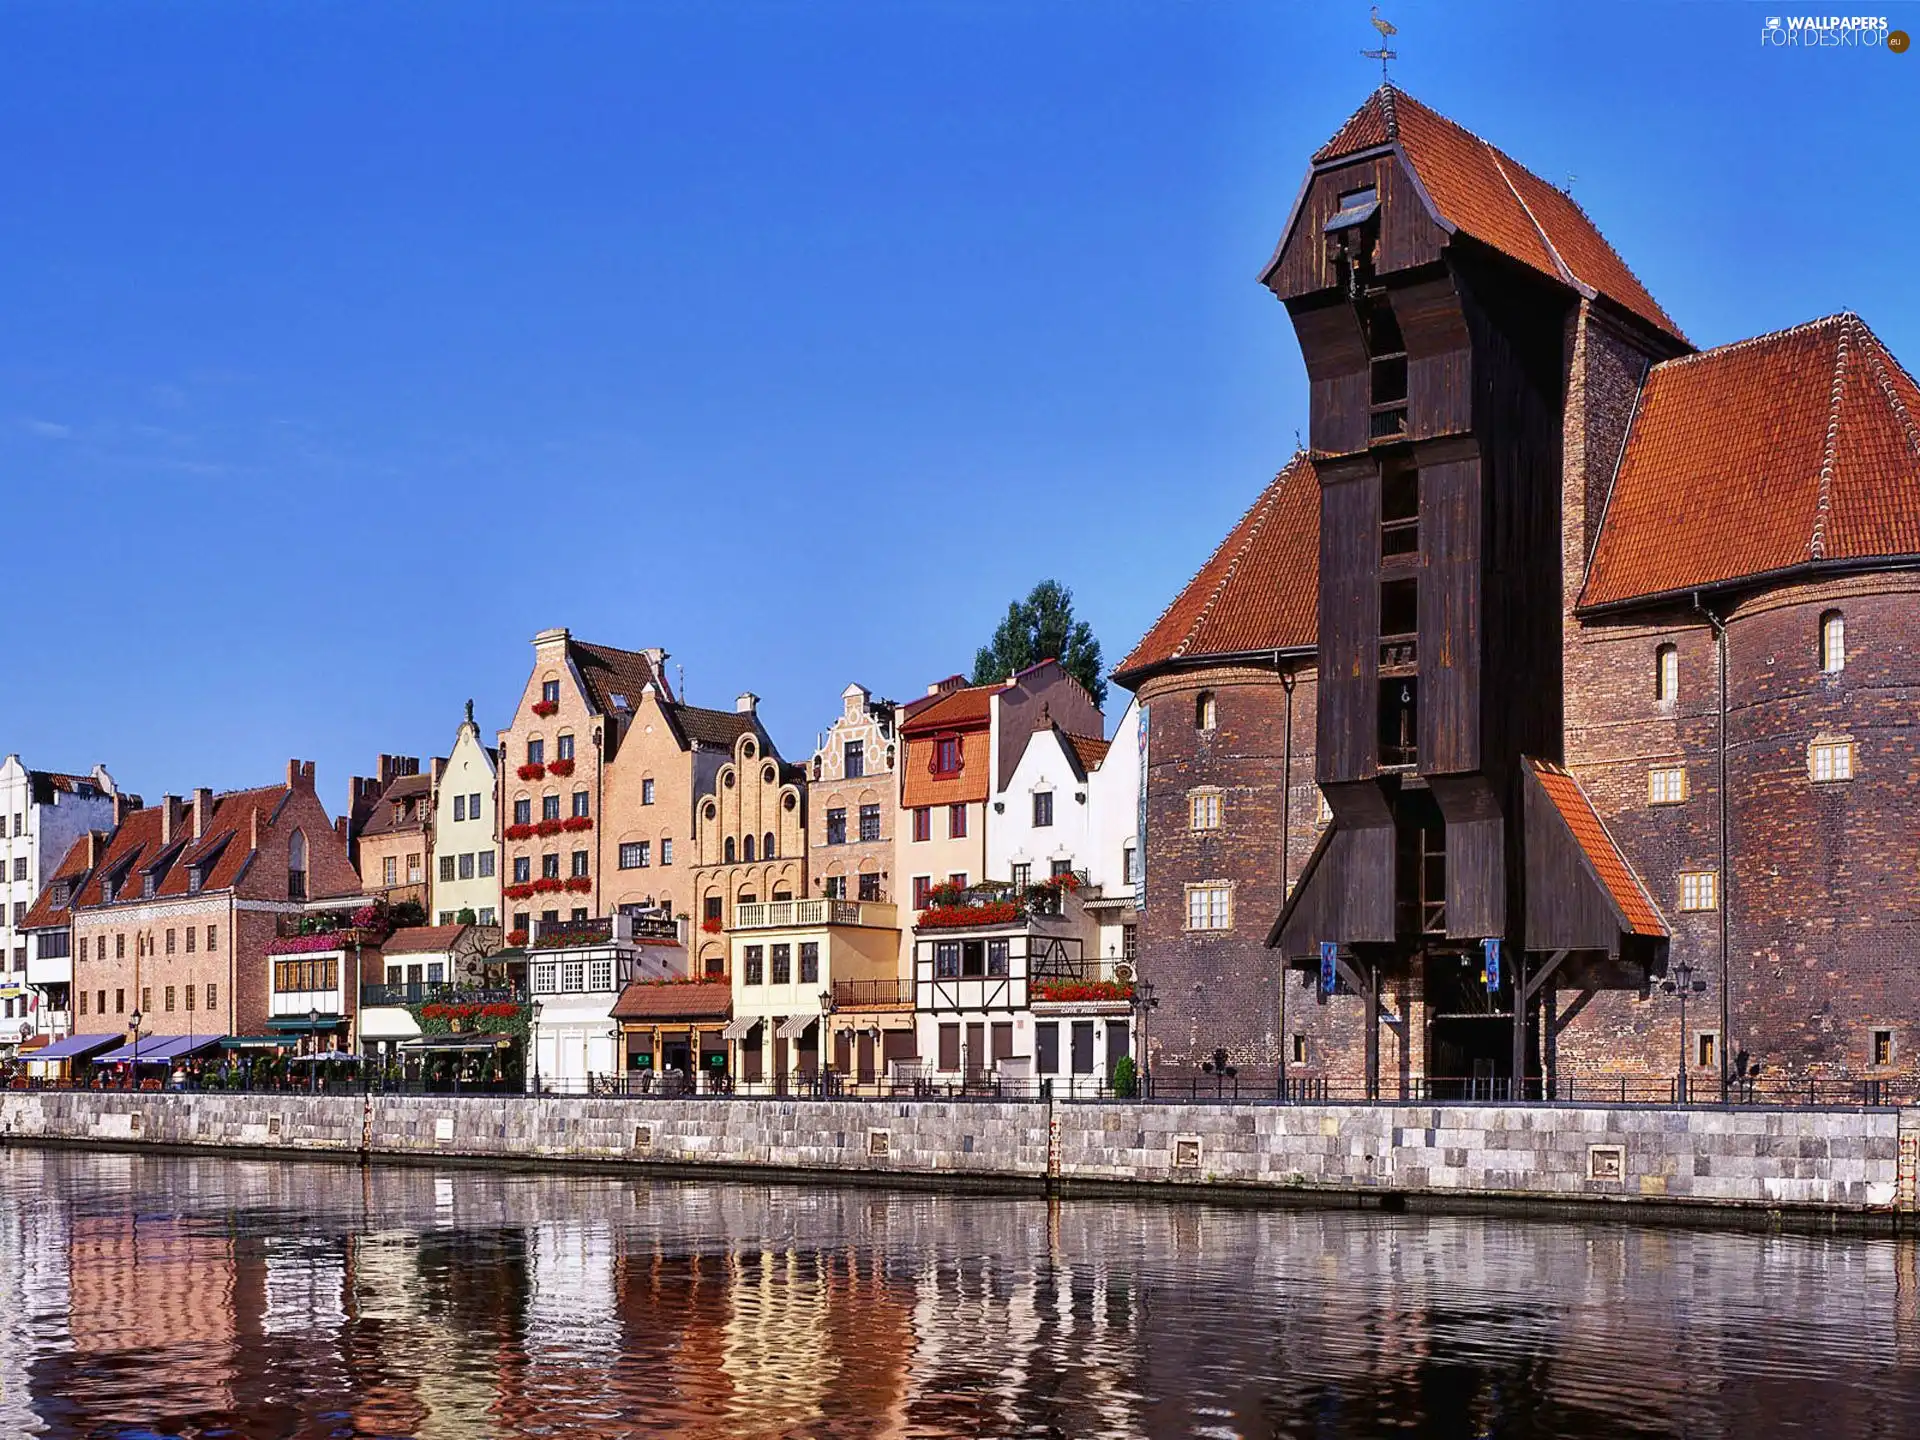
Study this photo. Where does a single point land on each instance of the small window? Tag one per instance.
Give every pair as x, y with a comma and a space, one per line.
1323, 812
869, 885
727, 850
646, 792
1204, 810
922, 888
747, 849
946, 755
1299, 1049
1706, 1050
549, 867
582, 805
1699, 890
1399, 607
536, 752
550, 692
1883, 1047
1206, 713
1666, 785
1130, 864
563, 747
766, 846
956, 822
1833, 642
523, 811
922, 823
1022, 876
854, 759
1209, 907
666, 852
522, 869
1666, 674
1830, 760
869, 823
837, 825
460, 807
1043, 808
634, 855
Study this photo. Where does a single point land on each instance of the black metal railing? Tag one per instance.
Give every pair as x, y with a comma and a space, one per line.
864, 994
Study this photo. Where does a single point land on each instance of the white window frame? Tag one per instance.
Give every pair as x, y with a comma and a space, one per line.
573, 977
1830, 762
1204, 809
1833, 642
600, 975
546, 977
1667, 785
1210, 904
1699, 890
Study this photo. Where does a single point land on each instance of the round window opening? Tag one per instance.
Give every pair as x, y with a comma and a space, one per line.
747, 749
729, 779
711, 812
767, 776
789, 802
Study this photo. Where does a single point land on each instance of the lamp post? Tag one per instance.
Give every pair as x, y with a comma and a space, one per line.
1680, 981
313, 1056
533, 1041
133, 1070
826, 1037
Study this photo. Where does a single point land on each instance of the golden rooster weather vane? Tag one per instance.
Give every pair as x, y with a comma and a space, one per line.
1383, 54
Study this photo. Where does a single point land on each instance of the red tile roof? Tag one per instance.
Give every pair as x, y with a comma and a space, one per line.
1629, 896
1488, 194
1793, 449
225, 847
44, 914
971, 784
955, 710
699, 1000
1259, 591
1090, 751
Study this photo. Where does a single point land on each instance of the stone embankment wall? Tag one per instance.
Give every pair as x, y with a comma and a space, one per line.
1773, 1159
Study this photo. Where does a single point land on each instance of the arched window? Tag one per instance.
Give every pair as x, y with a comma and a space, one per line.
1205, 713
1666, 674
767, 847
727, 850
748, 844
1833, 642
297, 866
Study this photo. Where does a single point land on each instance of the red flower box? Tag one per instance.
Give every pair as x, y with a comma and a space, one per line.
713, 925
579, 884
516, 937
544, 708
1066, 991
533, 772
995, 912
577, 823
547, 827
519, 832
546, 885
560, 767
518, 892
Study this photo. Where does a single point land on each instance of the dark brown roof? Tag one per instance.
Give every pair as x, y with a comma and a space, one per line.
424, 939
956, 710
44, 914
652, 1000
1259, 591
1629, 896
1796, 449
607, 672
719, 728
404, 788
1481, 190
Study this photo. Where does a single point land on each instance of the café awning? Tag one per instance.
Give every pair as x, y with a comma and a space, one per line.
253, 1042
78, 1047
794, 1026
458, 1043
326, 1057
741, 1028
301, 1022
158, 1050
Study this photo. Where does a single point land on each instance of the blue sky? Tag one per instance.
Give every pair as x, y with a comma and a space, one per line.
346, 346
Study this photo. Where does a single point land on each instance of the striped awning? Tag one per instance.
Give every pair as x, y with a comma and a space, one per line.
741, 1028
794, 1025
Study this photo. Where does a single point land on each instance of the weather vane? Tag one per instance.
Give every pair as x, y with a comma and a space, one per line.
1383, 54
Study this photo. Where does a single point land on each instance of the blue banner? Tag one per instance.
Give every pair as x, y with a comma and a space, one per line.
1492, 949
1329, 971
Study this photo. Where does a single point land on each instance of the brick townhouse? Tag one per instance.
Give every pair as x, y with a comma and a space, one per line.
1594, 645
171, 911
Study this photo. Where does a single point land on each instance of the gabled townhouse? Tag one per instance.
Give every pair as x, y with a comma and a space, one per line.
363, 800
464, 870
853, 801
177, 916
396, 839
42, 813
750, 840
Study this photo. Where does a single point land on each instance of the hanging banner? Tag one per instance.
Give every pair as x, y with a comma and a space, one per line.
1329, 968
1492, 949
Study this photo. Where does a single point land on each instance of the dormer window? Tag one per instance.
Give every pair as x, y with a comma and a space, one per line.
1356, 208
946, 755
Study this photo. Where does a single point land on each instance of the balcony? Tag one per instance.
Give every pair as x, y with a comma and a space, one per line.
441, 992
873, 994
794, 914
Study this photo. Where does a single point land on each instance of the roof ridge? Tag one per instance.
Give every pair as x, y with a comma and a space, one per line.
1879, 357
1765, 338
1265, 503
1553, 251
1817, 542
1386, 93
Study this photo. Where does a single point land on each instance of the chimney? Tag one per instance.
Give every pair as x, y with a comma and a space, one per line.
747, 703
549, 639
300, 775
202, 812
96, 847
340, 829
439, 769
169, 813
123, 805
253, 830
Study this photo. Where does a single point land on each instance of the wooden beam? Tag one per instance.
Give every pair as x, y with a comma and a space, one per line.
1544, 974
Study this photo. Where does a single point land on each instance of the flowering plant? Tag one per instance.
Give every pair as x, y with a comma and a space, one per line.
544, 708
496, 1011
519, 832
579, 884
994, 912
1061, 991
713, 925
518, 892
532, 772
547, 827
308, 944
547, 885
517, 937
576, 823
560, 767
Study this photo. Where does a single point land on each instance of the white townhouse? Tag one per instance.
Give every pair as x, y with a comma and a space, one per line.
465, 870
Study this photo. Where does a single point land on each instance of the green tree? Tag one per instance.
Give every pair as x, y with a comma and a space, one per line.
1042, 627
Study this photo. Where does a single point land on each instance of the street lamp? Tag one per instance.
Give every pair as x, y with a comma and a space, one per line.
826, 1037
133, 1070
1680, 981
313, 1056
533, 1041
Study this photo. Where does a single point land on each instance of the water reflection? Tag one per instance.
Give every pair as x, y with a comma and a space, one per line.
175, 1296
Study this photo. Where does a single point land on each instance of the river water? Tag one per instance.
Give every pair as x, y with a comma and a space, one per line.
150, 1296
